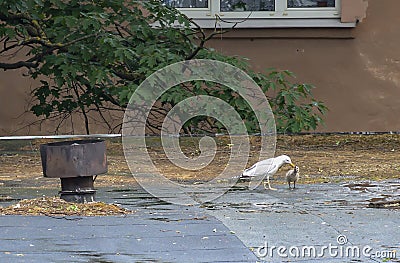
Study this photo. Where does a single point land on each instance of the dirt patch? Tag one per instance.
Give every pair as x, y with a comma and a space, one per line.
321, 158
54, 206
337, 158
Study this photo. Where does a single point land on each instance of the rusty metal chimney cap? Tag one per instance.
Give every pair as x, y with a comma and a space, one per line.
71, 143
74, 158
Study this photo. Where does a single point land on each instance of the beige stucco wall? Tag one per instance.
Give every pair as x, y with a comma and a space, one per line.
355, 71
353, 10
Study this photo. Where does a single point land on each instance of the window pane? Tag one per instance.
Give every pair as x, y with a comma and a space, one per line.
247, 5
187, 3
310, 3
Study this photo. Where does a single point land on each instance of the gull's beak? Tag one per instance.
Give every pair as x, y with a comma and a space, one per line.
291, 164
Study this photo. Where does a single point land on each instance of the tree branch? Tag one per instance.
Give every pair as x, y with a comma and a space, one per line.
19, 64
205, 38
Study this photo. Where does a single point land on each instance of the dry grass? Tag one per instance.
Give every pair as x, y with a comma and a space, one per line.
321, 158
54, 206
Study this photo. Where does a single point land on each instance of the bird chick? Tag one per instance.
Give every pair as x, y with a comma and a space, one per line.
292, 176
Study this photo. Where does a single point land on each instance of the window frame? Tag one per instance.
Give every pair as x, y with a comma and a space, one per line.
208, 17
198, 12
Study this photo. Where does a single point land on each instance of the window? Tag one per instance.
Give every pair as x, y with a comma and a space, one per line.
310, 3
262, 13
247, 5
187, 3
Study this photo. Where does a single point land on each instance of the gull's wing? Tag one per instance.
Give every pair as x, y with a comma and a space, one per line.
260, 168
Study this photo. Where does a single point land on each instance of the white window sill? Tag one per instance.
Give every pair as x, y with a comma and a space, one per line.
273, 23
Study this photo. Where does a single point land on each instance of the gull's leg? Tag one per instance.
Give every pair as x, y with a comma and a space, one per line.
269, 186
265, 184
289, 184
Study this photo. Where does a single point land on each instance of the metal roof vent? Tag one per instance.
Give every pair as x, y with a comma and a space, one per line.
75, 162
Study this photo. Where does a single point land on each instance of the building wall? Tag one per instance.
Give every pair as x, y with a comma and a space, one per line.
356, 71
